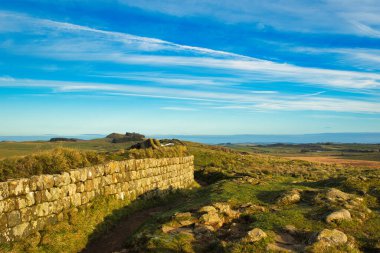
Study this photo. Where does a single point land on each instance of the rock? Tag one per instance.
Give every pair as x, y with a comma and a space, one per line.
211, 219
331, 237
336, 195
225, 209
166, 228
184, 219
289, 197
207, 209
340, 215
250, 208
149, 143
291, 229
255, 235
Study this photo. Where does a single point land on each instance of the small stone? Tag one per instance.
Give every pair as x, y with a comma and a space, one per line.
255, 235
340, 215
207, 209
331, 237
289, 197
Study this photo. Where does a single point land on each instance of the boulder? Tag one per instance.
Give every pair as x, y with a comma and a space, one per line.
184, 219
336, 195
255, 235
339, 215
207, 209
211, 219
149, 143
225, 209
331, 237
289, 197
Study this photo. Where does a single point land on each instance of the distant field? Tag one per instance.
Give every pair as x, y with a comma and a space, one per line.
367, 152
11, 149
336, 160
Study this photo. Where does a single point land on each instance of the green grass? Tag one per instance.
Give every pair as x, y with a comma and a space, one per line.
369, 152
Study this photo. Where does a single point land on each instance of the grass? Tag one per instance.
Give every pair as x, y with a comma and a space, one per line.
48, 162
368, 152
64, 159
220, 169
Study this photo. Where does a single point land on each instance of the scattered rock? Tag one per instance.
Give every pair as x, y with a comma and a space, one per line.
250, 208
207, 209
255, 235
331, 237
149, 143
336, 195
289, 197
225, 209
211, 219
185, 219
167, 228
340, 215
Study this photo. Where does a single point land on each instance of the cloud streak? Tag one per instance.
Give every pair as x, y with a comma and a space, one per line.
235, 100
80, 43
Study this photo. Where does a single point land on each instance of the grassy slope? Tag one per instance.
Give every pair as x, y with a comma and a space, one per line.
220, 167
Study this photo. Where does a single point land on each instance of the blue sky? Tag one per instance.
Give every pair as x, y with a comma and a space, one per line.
189, 67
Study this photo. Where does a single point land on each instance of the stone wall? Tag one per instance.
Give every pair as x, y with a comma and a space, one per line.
27, 205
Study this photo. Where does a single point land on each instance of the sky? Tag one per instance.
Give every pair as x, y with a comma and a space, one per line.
189, 67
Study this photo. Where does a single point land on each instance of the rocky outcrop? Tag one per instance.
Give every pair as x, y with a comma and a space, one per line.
289, 197
331, 237
255, 235
28, 205
339, 215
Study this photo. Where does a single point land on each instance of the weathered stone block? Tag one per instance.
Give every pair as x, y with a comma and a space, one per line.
83, 174
18, 187
42, 209
88, 185
4, 193
80, 187
3, 220
62, 179
14, 218
74, 176
76, 199
7, 205
21, 230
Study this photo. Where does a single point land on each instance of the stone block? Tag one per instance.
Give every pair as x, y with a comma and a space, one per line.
21, 230
42, 209
4, 193
14, 218
80, 187
88, 185
18, 187
74, 176
62, 179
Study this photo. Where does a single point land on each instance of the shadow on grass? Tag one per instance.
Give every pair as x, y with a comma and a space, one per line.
118, 227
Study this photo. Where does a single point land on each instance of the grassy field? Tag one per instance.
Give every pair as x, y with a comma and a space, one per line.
256, 187
11, 149
369, 152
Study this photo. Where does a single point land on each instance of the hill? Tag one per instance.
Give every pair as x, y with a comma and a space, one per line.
247, 202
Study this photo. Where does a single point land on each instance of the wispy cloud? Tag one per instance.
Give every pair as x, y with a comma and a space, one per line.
237, 99
89, 44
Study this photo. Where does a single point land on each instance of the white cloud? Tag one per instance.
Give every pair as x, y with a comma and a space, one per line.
239, 99
88, 44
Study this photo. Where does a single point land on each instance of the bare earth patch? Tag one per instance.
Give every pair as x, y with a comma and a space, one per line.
336, 160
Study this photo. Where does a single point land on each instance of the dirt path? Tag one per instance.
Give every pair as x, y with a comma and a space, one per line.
115, 239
